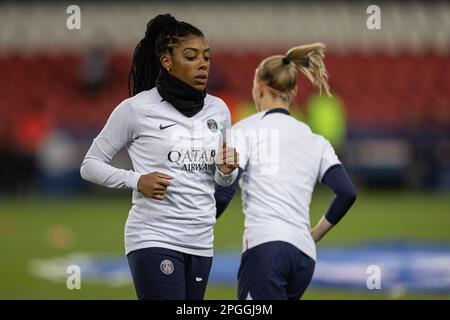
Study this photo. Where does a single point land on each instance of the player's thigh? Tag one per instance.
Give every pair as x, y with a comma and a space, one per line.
197, 275
158, 273
262, 274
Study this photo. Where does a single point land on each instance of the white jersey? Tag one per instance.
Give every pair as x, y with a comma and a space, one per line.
160, 138
282, 161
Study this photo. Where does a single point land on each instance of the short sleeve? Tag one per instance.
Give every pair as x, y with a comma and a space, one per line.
328, 159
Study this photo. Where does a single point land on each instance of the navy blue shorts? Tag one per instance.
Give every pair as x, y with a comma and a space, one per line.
274, 270
165, 274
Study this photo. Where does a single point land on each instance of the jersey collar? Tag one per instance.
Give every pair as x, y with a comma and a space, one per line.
277, 110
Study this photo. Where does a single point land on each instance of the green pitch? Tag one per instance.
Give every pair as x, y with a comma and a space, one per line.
35, 228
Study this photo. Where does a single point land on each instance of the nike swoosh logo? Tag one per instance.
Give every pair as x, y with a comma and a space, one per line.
161, 127
198, 279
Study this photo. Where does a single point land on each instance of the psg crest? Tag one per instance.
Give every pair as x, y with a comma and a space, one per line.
166, 266
212, 125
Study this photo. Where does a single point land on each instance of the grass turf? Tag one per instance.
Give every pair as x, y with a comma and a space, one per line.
32, 228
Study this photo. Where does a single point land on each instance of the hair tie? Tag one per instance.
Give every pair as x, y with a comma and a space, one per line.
285, 60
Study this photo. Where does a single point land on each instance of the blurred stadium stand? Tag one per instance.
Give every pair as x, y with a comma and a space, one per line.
394, 82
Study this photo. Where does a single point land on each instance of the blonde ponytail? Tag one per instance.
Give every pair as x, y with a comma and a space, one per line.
309, 60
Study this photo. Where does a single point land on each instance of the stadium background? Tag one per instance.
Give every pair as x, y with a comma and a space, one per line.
389, 121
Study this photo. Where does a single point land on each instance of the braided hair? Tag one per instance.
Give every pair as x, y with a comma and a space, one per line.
162, 34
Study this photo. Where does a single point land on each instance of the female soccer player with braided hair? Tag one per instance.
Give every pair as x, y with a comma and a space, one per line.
172, 130
280, 162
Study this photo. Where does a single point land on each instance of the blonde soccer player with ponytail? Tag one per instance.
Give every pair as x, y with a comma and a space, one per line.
280, 162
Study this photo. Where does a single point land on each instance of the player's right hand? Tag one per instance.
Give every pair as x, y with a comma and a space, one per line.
154, 184
227, 159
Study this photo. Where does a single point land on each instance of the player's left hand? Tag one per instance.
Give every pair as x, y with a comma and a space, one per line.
227, 159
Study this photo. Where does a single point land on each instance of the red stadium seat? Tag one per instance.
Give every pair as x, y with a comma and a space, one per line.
376, 88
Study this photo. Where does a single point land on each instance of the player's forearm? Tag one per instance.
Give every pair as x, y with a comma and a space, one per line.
345, 193
223, 195
99, 172
225, 180
321, 229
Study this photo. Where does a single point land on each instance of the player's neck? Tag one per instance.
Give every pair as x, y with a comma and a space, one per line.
274, 103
